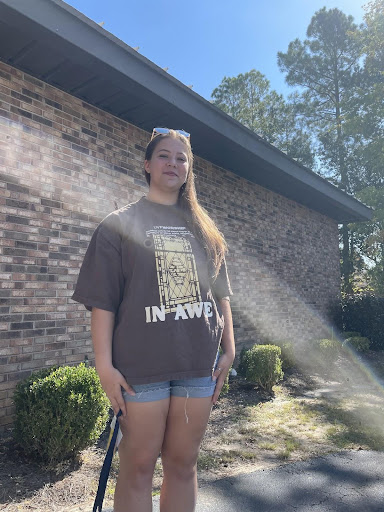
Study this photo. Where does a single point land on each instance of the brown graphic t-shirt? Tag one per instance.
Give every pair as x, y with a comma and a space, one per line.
144, 264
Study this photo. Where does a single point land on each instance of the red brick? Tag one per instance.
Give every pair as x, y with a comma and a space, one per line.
274, 242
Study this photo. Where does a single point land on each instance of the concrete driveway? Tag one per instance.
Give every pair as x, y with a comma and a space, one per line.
346, 482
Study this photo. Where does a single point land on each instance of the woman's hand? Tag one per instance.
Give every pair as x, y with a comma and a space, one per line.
102, 325
220, 374
112, 381
228, 348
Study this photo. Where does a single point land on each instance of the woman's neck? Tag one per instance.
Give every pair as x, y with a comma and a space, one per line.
166, 199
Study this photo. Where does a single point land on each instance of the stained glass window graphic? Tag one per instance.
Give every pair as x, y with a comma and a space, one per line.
176, 271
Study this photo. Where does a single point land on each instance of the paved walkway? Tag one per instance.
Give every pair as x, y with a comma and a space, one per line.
349, 482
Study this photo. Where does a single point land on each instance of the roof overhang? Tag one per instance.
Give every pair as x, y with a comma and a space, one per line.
57, 44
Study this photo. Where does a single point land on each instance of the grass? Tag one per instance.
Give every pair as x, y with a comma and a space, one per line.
356, 423
207, 461
267, 445
296, 426
291, 445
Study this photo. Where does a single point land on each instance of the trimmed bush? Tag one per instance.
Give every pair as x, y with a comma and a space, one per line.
350, 334
262, 366
287, 353
358, 343
329, 350
225, 388
365, 315
59, 412
241, 369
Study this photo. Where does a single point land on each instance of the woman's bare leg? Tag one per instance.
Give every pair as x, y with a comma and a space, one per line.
180, 450
143, 432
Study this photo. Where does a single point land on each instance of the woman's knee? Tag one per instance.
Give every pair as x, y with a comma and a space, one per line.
181, 465
137, 474
137, 464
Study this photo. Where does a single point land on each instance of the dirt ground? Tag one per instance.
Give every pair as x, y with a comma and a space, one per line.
244, 434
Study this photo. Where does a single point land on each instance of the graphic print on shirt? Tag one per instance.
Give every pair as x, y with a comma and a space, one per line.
179, 288
176, 271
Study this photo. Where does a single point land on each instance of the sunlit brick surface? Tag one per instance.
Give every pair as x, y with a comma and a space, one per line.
64, 165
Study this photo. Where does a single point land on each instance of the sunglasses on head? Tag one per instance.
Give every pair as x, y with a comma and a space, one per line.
162, 131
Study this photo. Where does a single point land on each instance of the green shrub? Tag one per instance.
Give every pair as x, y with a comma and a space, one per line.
358, 343
225, 388
241, 369
287, 353
365, 314
59, 412
329, 350
350, 334
262, 365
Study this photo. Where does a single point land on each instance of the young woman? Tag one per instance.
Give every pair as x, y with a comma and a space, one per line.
154, 277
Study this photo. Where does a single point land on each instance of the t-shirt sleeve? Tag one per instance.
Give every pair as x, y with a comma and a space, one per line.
101, 280
221, 286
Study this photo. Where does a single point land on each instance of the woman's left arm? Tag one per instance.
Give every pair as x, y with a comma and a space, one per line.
228, 347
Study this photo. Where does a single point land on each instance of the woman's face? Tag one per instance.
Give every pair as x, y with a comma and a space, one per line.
168, 166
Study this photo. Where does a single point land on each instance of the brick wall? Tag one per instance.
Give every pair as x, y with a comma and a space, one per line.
64, 165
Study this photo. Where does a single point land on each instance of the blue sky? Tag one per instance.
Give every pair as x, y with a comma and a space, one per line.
201, 41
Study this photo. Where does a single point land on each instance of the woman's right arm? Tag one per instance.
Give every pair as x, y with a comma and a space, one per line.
102, 324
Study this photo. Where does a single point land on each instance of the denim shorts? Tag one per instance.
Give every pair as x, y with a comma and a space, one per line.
200, 387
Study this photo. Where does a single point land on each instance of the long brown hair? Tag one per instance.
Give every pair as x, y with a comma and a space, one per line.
202, 224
